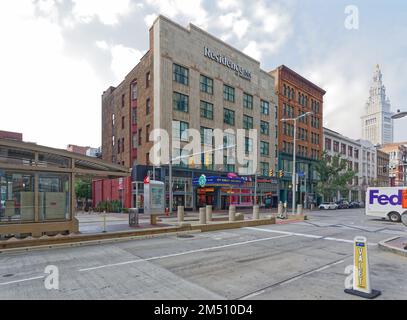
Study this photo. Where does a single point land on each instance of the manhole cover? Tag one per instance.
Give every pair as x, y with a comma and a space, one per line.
185, 236
8, 275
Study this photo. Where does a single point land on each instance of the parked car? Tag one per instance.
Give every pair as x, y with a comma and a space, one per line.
343, 204
354, 205
328, 206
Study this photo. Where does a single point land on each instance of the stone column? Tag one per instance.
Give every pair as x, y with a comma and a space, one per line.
202, 216
208, 213
232, 213
256, 213
180, 213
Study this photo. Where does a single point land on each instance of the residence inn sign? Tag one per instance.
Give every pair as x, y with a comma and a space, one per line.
241, 72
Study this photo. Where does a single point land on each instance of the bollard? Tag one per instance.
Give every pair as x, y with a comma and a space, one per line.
208, 213
232, 213
280, 209
299, 209
256, 213
180, 214
312, 207
202, 216
104, 223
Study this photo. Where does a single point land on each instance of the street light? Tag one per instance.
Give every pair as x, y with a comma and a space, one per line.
294, 178
399, 115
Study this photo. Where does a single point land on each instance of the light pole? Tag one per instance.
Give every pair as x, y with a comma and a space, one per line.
294, 177
399, 115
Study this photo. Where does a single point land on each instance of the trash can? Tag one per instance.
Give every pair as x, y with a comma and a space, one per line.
133, 217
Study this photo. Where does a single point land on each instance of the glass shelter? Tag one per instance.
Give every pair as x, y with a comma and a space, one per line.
37, 187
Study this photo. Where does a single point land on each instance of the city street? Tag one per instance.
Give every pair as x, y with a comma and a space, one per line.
301, 260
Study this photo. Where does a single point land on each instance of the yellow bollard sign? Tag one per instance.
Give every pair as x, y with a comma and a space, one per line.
361, 275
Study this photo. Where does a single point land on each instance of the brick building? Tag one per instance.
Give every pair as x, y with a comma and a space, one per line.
9, 135
383, 162
296, 96
191, 80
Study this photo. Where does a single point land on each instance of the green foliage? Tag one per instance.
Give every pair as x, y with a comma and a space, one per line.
114, 206
83, 189
334, 175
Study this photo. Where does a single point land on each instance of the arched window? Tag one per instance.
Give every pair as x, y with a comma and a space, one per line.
302, 100
292, 94
299, 98
285, 90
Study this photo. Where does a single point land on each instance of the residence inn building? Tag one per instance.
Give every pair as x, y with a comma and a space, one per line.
190, 79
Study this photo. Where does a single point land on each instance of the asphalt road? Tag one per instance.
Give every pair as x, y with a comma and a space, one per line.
304, 260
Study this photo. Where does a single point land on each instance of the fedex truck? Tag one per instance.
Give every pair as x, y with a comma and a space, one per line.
388, 203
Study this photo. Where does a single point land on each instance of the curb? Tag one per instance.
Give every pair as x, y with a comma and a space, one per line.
92, 239
383, 246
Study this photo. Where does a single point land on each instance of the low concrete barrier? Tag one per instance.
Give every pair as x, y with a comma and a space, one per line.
202, 215
239, 217
232, 213
208, 213
180, 214
256, 212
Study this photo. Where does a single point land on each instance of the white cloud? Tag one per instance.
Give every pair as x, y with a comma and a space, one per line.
192, 11
123, 60
107, 11
253, 50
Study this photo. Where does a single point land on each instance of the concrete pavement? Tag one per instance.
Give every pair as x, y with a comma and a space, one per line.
304, 260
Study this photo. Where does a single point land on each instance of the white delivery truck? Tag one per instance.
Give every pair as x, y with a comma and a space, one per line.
388, 203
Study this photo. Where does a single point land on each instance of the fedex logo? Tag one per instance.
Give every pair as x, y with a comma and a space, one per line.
395, 199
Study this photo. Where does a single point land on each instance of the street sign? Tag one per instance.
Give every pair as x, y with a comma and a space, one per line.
361, 275
202, 181
301, 174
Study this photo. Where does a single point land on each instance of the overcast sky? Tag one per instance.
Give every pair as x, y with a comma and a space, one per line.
58, 56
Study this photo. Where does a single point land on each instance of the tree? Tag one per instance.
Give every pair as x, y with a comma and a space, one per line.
83, 190
334, 175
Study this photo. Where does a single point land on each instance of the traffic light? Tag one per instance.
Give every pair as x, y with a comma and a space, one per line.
271, 173
280, 173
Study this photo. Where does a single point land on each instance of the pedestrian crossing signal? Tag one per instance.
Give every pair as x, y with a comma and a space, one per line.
280, 173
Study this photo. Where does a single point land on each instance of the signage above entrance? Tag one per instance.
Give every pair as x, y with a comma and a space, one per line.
241, 72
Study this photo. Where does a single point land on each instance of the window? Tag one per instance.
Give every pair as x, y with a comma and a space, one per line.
264, 148
328, 144
122, 122
247, 101
123, 100
229, 164
265, 107
264, 169
180, 102
206, 110
228, 93
113, 117
134, 141
148, 106
264, 128
134, 91
336, 146
134, 115
356, 153
147, 133
180, 130
118, 146
148, 78
113, 141
229, 117
248, 145
207, 136
343, 149
139, 137
229, 140
350, 151
206, 84
180, 74
122, 144
247, 122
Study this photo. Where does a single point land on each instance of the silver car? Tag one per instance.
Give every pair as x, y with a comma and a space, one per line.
328, 206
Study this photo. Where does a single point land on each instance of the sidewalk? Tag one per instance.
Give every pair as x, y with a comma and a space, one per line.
90, 223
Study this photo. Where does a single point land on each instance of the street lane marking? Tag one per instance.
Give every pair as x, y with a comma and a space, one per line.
305, 235
290, 280
182, 253
21, 280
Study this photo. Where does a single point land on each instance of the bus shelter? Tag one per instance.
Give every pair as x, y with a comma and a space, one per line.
37, 187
